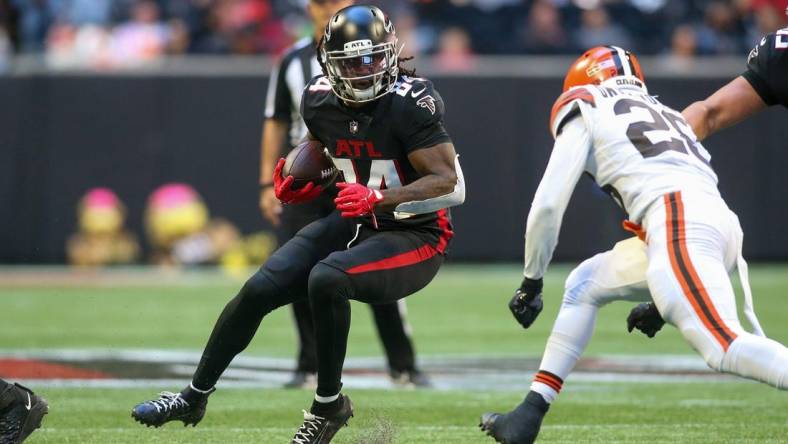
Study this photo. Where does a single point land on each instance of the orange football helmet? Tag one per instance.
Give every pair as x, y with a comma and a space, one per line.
601, 63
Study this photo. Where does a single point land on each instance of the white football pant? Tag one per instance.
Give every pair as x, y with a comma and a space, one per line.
693, 242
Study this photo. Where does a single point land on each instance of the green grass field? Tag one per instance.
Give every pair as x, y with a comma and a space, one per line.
462, 313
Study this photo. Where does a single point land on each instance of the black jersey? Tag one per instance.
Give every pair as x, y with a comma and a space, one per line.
370, 144
767, 68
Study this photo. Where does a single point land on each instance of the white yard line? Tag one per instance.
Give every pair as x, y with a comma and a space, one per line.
477, 373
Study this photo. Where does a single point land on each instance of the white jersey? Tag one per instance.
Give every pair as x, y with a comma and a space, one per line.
640, 148
633, 146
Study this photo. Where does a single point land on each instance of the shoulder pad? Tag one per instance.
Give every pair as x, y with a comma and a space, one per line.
562, 112
318, 84
316, 92
766, 65
416, 93
769, 49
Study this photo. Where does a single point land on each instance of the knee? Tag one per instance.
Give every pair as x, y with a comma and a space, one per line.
710, 350
579, 286
327, 281
714, 359
258, 291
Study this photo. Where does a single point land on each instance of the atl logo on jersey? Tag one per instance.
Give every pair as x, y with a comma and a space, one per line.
356, 149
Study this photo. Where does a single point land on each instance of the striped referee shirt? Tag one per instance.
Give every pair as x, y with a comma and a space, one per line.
286, 85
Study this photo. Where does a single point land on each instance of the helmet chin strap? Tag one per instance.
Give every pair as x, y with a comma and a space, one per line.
367, 93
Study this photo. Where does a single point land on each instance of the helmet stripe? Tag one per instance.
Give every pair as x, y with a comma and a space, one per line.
631, 65
616, 60
620, 56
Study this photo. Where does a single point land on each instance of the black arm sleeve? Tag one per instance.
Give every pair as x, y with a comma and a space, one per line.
278, 100
760, 69
422, 122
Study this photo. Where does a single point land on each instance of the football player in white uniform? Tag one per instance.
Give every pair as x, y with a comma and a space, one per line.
763, 84
646, 156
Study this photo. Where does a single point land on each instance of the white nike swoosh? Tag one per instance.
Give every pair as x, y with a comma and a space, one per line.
415, 94
29, 403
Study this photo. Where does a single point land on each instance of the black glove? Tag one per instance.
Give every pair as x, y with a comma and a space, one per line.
646, 318
526, 304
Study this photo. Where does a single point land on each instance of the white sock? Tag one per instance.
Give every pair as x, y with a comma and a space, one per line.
548, 393
758, 358
326, 399
204, 392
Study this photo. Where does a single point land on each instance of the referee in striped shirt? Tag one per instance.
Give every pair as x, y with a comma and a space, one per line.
284, 128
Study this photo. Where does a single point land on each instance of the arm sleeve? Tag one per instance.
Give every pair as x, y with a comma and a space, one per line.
456, 197
564, 169
757, 73
277, 99
424, 126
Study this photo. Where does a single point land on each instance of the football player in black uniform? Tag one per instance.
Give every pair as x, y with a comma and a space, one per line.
386, 240
299, 65
763, 84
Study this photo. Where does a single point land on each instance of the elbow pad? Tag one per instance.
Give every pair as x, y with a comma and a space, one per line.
456, 197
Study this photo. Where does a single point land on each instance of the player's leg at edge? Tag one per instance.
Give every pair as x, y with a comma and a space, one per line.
21, 412
691, 287
618, 274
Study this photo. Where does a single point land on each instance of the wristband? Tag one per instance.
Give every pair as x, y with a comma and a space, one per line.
531, 285
266, 185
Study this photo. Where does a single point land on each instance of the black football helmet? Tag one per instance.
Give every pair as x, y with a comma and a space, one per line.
359, 54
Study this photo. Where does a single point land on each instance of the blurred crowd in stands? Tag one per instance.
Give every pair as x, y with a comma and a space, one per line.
122, 33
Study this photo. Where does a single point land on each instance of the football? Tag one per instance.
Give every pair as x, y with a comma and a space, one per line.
309, 162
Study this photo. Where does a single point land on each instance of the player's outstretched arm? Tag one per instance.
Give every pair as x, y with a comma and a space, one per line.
440, 186
731, 104
566, 165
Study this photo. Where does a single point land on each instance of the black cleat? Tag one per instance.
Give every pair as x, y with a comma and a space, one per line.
172, 407
321, 429
521, 425
21, 412
410, 379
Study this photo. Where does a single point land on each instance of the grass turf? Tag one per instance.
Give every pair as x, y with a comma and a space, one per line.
462, 312
731, 412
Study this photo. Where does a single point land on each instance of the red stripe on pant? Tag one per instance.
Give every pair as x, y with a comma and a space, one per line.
411, 257
687, 275
549, 379
447, 233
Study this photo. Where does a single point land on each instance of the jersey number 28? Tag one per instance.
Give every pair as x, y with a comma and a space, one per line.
636, 132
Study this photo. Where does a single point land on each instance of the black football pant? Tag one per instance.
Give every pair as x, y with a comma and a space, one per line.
389, 320
379, 267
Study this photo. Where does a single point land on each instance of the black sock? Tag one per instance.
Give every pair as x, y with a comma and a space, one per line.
3, 385
326, 408
536, 400
191, 396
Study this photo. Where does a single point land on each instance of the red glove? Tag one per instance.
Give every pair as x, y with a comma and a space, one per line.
287, 195
356, 200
